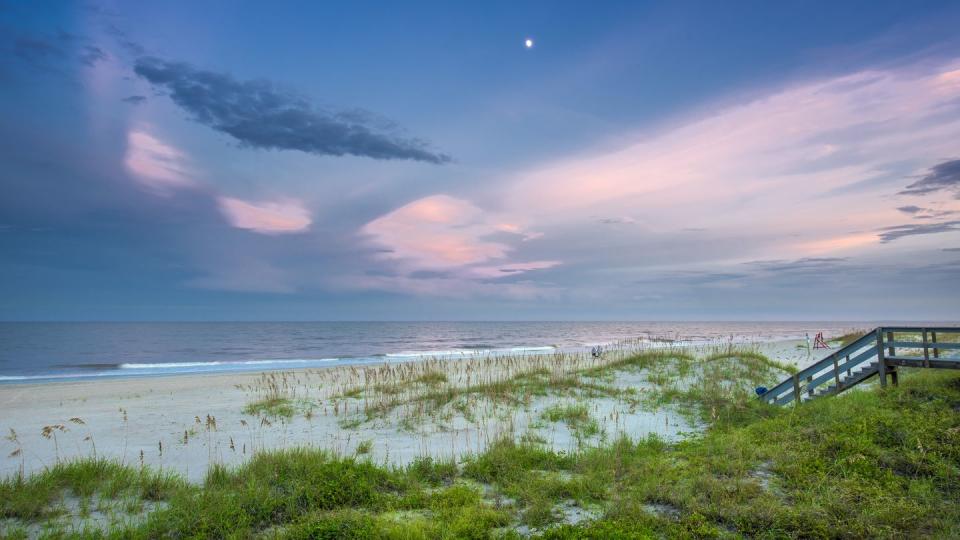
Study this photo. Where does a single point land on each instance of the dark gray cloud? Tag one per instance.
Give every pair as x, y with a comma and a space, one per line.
617, 221
889, 234
430, 274
934, 214
943, 176
261, 116
924, 213
51, 50
952, 250
39, 49
711, 277
132, 47
91, 54
134, 100
799, 265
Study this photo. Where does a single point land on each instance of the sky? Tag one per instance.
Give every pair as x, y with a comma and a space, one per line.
418, 161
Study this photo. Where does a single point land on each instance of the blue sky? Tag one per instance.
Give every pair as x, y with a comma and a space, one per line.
643, 160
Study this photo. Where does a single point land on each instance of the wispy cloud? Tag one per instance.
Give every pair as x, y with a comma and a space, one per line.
626, 220
943, 176
268, 217
259, 115
46, 50
889, 234
436, 232
156, 164
447, 240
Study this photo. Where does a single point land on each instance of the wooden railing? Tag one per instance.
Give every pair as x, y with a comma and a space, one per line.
876, 353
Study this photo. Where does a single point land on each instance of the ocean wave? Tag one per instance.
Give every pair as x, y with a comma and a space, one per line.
533, 349
108, 370
154, 368
450, 352
97, 366
12, 378
470, 352
175, 365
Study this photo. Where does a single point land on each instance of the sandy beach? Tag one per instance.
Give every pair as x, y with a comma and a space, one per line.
186, 423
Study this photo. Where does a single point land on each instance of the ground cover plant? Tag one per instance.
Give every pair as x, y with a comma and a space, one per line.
868, 463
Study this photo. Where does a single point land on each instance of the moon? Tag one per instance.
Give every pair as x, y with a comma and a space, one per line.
528, 43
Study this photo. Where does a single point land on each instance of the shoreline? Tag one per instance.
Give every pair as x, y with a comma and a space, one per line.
133, 370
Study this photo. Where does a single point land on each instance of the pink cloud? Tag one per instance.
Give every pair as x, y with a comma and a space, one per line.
436, 232
270, 217
155, 163
452, 236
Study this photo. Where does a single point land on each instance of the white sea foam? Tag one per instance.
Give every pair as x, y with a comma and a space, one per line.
470, 352
226, 363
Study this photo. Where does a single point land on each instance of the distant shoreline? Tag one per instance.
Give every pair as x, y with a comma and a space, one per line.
138, 371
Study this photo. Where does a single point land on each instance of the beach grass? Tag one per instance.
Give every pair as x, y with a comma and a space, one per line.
272, 406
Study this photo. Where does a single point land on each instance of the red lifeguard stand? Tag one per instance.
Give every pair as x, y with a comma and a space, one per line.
819, 343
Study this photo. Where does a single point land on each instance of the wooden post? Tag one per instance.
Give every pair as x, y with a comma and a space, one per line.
880, 358
891, 350
796, 388
926, 350
836, 372
809, 386
936, 351
847, 361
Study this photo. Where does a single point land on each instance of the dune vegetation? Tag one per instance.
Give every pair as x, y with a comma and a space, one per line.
871, 463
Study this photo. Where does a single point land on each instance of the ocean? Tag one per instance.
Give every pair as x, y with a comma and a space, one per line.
47, 351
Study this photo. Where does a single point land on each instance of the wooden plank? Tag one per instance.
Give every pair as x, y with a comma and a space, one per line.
891, 348
926, 350
937, 363
919, 345
882, 368
836, 372
796, 388
936, 350
942, 329
784, 400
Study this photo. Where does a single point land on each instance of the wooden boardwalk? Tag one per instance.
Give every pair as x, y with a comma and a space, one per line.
880, 353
